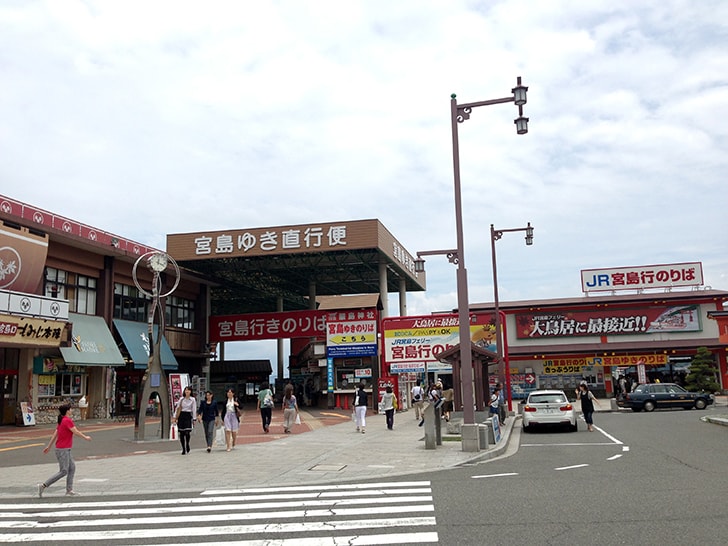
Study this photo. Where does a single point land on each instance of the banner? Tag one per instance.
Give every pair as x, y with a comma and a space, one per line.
351, 333
22, 259
603, 322
273, 325
417, 339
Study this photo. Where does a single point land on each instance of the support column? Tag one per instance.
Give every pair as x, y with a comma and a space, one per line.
383, 294
281, 371
402, 297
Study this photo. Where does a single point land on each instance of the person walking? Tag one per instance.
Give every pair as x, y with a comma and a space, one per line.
265, 405
447, 406
290, 408
418, 401
185, 414
389, 405
360, 407
231, 419
588, 400
63, 438
208, 414
501, 404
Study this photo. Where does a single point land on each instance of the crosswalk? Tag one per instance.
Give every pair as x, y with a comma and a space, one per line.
325, 515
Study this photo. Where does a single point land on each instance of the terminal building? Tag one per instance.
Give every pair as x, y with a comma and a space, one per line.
74, 322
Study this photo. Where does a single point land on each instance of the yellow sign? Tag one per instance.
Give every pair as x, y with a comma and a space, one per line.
554, 370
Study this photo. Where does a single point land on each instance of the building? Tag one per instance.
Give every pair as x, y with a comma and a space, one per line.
74, 322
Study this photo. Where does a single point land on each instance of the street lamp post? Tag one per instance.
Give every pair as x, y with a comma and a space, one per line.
496, 234
460, 113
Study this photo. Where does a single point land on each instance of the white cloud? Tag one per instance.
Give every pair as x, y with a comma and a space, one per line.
231, 114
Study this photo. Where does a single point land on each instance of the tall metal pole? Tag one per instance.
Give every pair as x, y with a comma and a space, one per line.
466, 352
498, 326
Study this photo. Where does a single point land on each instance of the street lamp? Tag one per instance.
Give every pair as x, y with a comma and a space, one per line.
458, 114
495, 235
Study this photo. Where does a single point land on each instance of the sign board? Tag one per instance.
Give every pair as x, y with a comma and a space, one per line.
351, 333
28, 415
641, 277
608, 322
418, 339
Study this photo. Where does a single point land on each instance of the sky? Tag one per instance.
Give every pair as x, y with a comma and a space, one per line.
144, 118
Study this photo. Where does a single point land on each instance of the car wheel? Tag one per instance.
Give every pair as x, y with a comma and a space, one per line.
700, 404
574, 427
649, 406
527, 428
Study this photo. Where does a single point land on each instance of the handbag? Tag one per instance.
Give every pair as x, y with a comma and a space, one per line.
394, 403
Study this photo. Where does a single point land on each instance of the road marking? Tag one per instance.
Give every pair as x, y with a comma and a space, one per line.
614, 457
19, 447
570, 467
495, 475
625, 448
572, 444
619, 442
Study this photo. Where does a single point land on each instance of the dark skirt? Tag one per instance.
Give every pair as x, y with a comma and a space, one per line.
184, 421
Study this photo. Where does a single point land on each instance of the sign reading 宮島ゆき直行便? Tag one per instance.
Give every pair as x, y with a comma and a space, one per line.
642, 277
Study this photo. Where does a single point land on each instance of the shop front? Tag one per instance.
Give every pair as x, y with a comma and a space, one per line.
82, 368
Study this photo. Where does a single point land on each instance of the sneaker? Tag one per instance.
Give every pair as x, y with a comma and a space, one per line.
421, 423
41, 488
363, 431
71, 493
357, 429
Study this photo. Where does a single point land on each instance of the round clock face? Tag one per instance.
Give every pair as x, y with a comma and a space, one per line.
158, 262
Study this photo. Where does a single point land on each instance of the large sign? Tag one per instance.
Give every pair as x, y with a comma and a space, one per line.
274, 325
29, 331
603, 322
351, 333
22, 258
295, 239
647, 276
418, 339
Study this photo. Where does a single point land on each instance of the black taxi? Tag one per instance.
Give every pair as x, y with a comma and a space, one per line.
651, 396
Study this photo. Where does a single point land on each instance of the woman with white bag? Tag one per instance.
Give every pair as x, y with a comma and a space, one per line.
290, 409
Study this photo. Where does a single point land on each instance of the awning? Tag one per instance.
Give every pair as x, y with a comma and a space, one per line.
91, 343
135, 336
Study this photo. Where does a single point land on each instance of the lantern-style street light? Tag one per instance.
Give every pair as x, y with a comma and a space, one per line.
503, 366
458, 114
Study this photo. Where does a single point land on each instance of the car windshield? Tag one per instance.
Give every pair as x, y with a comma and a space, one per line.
547, 398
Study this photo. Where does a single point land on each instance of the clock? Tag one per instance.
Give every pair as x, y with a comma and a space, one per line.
158, 262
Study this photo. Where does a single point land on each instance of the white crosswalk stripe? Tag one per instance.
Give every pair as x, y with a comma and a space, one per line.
351, 514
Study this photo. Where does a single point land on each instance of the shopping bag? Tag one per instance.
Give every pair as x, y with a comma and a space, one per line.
219, 436
298, 419
173, 433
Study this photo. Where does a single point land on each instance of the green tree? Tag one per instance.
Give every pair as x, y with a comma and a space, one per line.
702, 372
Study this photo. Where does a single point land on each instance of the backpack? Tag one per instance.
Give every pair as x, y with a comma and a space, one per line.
268, 400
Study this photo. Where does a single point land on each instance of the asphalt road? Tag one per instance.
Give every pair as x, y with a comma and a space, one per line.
656, 478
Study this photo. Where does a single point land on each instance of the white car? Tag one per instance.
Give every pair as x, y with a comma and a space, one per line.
548, 407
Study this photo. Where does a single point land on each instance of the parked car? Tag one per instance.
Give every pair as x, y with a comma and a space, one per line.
651, 396
548, 407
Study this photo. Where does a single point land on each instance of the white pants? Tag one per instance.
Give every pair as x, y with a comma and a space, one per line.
361, 416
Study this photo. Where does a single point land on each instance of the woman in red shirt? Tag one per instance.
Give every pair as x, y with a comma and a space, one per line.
63, 437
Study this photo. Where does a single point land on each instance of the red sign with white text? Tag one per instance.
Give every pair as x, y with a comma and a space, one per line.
274, 325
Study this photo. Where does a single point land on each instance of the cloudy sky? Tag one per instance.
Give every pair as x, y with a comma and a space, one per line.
144, 118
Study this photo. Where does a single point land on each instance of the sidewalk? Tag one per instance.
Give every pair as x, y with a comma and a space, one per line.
325, 448
331, 451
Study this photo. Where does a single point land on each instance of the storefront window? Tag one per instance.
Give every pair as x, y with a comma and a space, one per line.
79, 290
129, 303
180, 312
62, 384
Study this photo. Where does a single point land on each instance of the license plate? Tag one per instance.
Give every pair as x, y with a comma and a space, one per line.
548, 410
